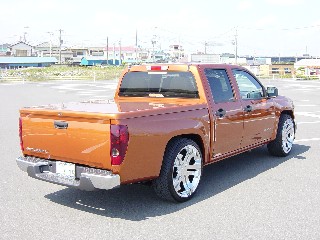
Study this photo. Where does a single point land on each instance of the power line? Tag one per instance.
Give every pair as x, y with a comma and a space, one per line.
281, 29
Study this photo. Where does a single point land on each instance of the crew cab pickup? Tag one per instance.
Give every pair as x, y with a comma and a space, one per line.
165, 123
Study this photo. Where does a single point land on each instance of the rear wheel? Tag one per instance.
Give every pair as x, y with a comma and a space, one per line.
180, 172
283, 142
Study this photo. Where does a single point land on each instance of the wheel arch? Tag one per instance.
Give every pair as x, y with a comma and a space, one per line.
279, 114
194, 137
288, 112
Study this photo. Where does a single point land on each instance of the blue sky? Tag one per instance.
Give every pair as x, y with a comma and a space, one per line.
264, 27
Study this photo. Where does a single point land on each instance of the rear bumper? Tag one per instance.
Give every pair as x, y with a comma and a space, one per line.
86, 178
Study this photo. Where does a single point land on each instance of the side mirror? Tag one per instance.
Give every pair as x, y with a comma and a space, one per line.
272, 91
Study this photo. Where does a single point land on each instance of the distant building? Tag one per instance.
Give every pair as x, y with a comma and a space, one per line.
277, 70
308, 66
126, 54
176, 51
161, 57
97, 61
4, 49
232, 60
46, 49
24, 62
78, 53
205, 58
256, 61
129, 54
21, 49
311, 63
253, 68
96, 51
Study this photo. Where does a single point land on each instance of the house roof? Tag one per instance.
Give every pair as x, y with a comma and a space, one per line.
45, 45
20, 42
28, 60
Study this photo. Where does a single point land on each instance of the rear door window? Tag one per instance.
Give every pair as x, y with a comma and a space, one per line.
220, 85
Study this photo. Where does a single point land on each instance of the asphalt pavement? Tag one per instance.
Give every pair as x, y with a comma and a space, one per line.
249, 196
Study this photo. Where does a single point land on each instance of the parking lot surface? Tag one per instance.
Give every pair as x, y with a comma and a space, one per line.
250, 196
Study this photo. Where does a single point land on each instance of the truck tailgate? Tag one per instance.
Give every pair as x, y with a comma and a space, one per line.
73, 138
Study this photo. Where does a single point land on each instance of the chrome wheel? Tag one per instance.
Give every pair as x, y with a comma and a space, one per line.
282, 145
287, 135
187, 169
180, 172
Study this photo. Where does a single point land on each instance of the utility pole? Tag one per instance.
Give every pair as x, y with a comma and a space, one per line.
60, 43
153, 43
119, 52
236, 46
24, 37
306, 50
179, 48
114, 54
50, 34
24, 34
107, 50
136, 46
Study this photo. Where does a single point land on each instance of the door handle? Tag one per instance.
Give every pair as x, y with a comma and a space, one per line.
220, 113
60, 125
248, 108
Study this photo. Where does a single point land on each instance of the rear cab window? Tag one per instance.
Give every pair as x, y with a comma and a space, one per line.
171, 84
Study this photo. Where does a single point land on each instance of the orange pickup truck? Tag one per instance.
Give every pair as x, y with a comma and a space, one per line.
165, 123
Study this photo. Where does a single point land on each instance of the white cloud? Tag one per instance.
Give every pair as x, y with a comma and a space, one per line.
266, 21
245, 5
285, 2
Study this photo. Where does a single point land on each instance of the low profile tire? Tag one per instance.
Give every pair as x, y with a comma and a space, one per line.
281, 146
180, 172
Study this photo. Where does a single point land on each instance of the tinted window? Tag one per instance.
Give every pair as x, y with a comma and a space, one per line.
159, 84
249, 87
220, 85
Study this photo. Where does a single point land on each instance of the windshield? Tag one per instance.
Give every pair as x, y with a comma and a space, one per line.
159, 84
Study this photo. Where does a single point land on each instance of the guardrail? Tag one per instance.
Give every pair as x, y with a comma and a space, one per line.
311, 77
49, 77
70, 77
11, 79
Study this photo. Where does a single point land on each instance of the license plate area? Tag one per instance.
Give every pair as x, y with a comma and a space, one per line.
66, 169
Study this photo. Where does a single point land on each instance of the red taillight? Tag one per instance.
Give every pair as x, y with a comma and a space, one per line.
119, 138
20, 133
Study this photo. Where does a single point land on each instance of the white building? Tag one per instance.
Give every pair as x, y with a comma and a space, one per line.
46, 49
309, 66
21, 49
129, 54
205, 58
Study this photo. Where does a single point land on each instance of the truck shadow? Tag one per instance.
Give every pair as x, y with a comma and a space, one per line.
138, 202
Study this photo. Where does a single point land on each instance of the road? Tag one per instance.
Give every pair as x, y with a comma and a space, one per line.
250, 196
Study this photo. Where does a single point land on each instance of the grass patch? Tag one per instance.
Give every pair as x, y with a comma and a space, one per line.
55, 71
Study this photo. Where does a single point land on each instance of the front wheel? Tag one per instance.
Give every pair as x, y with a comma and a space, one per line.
281, 146
180, 172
